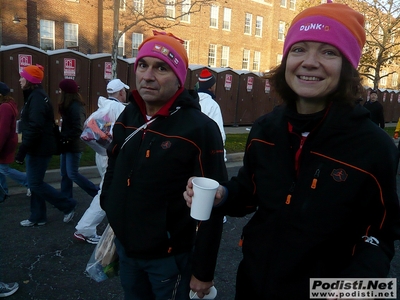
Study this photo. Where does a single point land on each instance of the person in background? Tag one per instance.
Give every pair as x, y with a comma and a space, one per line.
158, 140
206, 91
86, 229
8, 141
72, 111
321, 210
38, 145
376, 109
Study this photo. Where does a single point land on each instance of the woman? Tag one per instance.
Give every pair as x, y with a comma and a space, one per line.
8, 141
324, 207
72, 110
38, 145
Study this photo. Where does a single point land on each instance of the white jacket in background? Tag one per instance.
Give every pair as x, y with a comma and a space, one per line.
211, 108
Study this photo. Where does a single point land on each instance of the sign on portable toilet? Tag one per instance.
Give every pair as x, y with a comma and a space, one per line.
68, 64
16, 57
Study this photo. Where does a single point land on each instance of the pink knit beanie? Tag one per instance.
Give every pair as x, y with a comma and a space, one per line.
332, 23
168, 48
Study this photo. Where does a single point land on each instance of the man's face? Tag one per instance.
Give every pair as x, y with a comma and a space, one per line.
373, 97
155, 81
122, 96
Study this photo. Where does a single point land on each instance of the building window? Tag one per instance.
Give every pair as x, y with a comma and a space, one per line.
225, 56
138, 6
247, 23
380, 33
292, 4
122, 4
46, 35
121, 45
279, 59
137, 39
256, 60
185, 11
212, 53
170, 9
186, 46
227, 19
395, 80
281, 32
283, 3
70, 35
246, 59
214, 16
259, 24
383, 80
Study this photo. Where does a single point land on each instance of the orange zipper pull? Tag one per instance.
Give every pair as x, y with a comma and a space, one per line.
288, 199
147, 153
314, 183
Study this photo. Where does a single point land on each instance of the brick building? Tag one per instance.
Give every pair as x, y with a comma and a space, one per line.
242, 35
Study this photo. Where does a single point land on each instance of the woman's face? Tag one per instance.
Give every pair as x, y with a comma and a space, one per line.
313, 70
22, 82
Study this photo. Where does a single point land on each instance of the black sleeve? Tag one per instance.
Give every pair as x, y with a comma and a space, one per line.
209, 232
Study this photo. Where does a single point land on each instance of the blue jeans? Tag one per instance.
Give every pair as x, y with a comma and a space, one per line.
69, 168
36, 167
154, 279
17, 176
3, 193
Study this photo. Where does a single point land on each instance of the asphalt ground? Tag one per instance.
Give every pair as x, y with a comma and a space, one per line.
49, 264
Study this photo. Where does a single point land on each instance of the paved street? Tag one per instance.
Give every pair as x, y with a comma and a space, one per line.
49, 263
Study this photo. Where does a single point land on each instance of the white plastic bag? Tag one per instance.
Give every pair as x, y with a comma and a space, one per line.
97, 130
104, 262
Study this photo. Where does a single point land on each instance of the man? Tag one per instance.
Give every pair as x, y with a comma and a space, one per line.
86, 227
376, 109
209, 106
159, 141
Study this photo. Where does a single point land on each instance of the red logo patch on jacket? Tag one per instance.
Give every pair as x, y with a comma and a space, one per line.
339, 175
166, 145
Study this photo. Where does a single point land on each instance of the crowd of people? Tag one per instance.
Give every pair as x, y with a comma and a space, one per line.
319, 210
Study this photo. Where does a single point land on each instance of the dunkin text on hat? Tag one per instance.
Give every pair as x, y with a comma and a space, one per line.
312, 26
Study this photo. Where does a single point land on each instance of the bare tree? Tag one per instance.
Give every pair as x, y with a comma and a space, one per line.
148, 14
381, 55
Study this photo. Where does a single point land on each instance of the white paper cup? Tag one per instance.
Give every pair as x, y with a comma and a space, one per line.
204, 190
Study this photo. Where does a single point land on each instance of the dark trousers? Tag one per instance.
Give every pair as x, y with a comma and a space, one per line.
154, 279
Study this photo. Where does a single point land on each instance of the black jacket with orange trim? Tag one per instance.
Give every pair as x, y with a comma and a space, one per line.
142, 193
338, 217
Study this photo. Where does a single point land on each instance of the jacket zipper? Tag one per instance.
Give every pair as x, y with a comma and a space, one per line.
147, 155
289, 196
315, 179
148, 148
